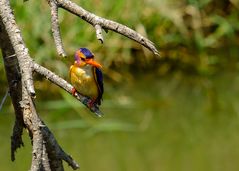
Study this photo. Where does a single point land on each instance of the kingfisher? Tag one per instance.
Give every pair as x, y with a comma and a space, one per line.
86, 76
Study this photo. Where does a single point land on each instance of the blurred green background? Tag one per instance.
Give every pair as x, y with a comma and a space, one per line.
178, 112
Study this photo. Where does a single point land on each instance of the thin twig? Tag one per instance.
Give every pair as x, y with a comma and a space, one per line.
56, 29
4, 99
99, 34
106, 24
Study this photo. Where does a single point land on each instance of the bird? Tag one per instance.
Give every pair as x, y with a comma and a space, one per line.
86, 76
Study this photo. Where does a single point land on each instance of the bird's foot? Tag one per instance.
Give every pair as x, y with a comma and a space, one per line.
73, 91
91, 103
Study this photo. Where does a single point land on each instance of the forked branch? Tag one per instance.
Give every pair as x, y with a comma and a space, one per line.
99, 22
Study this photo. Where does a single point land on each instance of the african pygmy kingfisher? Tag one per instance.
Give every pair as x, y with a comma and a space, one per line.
86, 76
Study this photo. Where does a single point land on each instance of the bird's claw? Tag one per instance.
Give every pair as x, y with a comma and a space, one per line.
91, 103
73, 91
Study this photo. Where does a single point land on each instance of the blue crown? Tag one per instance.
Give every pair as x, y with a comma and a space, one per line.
86, 52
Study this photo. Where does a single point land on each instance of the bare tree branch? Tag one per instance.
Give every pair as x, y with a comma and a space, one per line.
33, 122
15, 85
56, 29
95, 20
45, 158
18, 45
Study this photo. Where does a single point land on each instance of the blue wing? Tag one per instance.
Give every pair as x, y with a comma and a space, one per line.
100, 84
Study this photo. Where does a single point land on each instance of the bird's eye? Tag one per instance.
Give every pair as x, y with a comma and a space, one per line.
83, 59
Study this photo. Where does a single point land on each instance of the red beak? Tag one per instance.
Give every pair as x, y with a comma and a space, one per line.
93, 62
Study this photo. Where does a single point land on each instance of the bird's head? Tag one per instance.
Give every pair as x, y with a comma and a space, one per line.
83, 56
